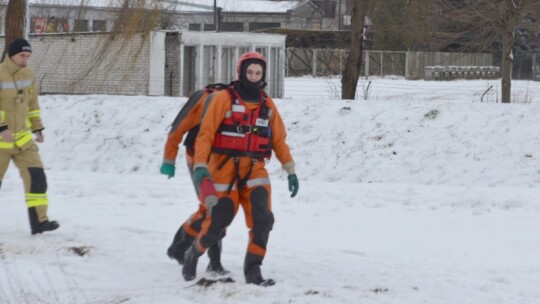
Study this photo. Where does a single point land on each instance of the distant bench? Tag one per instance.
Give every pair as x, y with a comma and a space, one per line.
451, 72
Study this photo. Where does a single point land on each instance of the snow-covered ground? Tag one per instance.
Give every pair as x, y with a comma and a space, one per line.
418, 192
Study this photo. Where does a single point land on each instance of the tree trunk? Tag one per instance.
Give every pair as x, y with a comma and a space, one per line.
349, 79
512, 13
15, 22
506, 68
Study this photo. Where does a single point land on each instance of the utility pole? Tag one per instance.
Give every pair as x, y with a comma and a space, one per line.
339, 15
217, 16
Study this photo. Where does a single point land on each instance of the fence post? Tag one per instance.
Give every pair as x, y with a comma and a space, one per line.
534, 67
314, 63
407, 65
366, 69
382, 64
287, 51
341, 62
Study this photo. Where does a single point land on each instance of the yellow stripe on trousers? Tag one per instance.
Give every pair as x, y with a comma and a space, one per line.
36, 199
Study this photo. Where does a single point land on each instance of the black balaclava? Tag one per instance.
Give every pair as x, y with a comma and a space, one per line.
250, 91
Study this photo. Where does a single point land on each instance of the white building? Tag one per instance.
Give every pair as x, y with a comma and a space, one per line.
47, 16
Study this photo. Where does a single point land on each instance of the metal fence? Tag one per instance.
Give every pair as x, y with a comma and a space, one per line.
411, 65
316, 62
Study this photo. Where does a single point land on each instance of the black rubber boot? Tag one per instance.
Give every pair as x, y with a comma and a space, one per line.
252, 271
37, 227
215, 267
189, 271
180, 244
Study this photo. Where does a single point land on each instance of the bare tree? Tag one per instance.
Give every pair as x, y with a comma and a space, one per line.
484, 25
399, 25
349, 79
15, 22
138, 16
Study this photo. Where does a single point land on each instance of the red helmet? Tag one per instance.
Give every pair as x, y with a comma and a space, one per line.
246, 56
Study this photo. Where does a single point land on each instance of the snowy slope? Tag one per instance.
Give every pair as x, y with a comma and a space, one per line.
404, 198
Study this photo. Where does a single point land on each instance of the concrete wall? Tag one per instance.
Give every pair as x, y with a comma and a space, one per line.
91, 64
156, 57
159, 63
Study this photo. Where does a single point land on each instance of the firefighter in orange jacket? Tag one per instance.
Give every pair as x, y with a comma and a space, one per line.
239, 130
187, 122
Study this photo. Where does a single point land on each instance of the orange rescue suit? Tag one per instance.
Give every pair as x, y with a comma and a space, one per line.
227, 171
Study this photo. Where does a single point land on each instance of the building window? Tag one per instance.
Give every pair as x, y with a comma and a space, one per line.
63, 26
99, 26
253, 26
80, 25
52, 25
38, 25
232, 27
195, 27
209, 27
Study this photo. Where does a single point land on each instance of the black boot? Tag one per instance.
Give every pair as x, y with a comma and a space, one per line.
46, 226
180, 244
37, 227
215, 267
252, 271
189, 271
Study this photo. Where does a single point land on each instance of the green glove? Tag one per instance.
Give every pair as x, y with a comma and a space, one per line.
199, 174
167, 169
293, 184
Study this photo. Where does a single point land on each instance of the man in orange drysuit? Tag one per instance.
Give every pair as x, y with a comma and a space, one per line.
240, 129
187, 121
